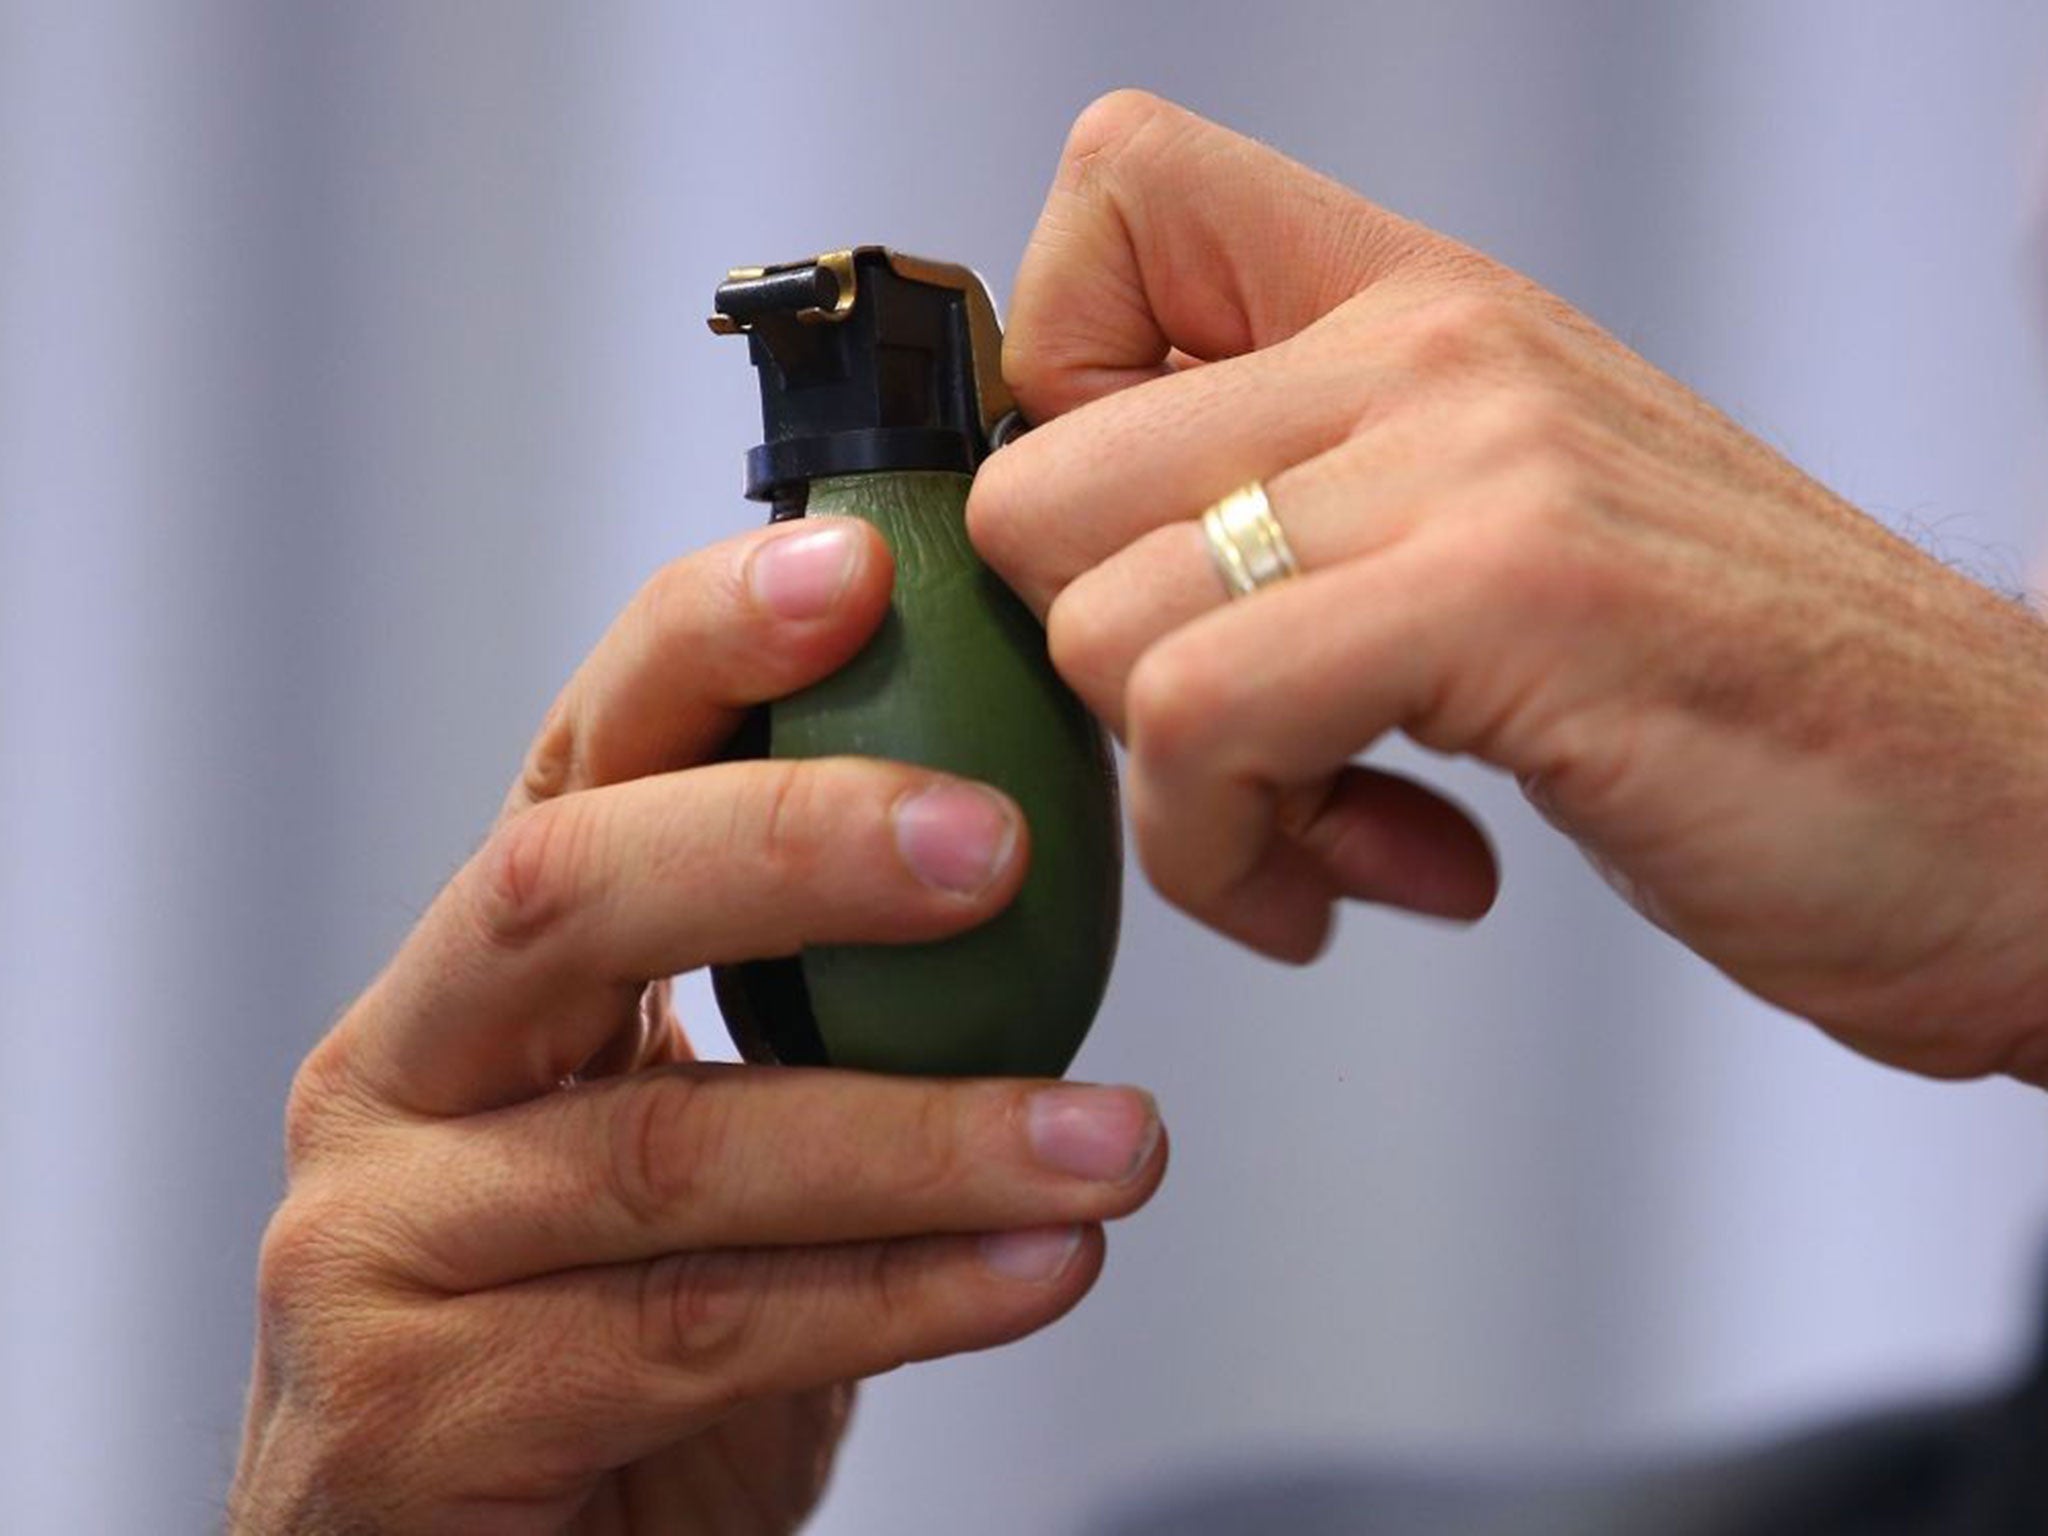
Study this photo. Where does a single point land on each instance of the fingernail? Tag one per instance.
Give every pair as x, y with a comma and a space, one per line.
956, 836
1038, 1254
1093, 1133
801, 575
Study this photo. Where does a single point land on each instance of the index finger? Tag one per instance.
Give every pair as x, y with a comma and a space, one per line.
527, 961
1164, 232
731, 626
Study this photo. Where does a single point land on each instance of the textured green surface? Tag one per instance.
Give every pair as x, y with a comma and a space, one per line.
957, 678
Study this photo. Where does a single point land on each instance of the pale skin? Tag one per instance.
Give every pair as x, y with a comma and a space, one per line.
1805, 748
490, 1302
493, 1304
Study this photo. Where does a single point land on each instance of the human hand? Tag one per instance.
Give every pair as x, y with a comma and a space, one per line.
491, 1302
1806, 749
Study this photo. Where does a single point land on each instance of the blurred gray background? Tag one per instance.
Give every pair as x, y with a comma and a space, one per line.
353, 372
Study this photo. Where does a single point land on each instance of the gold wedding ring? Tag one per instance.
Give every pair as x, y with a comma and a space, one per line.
1245, 541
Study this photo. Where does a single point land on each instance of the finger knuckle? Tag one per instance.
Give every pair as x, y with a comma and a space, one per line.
1546, 507
530, 872
996, 509
696, 1317
1033, 364
1108, 125
777, 827
320, 1109
1458, 330
302, 1258
1080, 639
1171, 703
893, 1280
933, 1147
1541, 551
306, 1108
550, 766
667, 1130
1529, 425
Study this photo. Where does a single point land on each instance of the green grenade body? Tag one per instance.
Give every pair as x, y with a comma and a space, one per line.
956, 679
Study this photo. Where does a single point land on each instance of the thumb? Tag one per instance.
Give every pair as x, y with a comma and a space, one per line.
1166, 233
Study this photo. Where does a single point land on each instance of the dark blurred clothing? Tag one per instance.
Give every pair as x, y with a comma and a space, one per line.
1968, 1469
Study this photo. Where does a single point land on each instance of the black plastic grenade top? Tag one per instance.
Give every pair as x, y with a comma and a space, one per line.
868, 360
